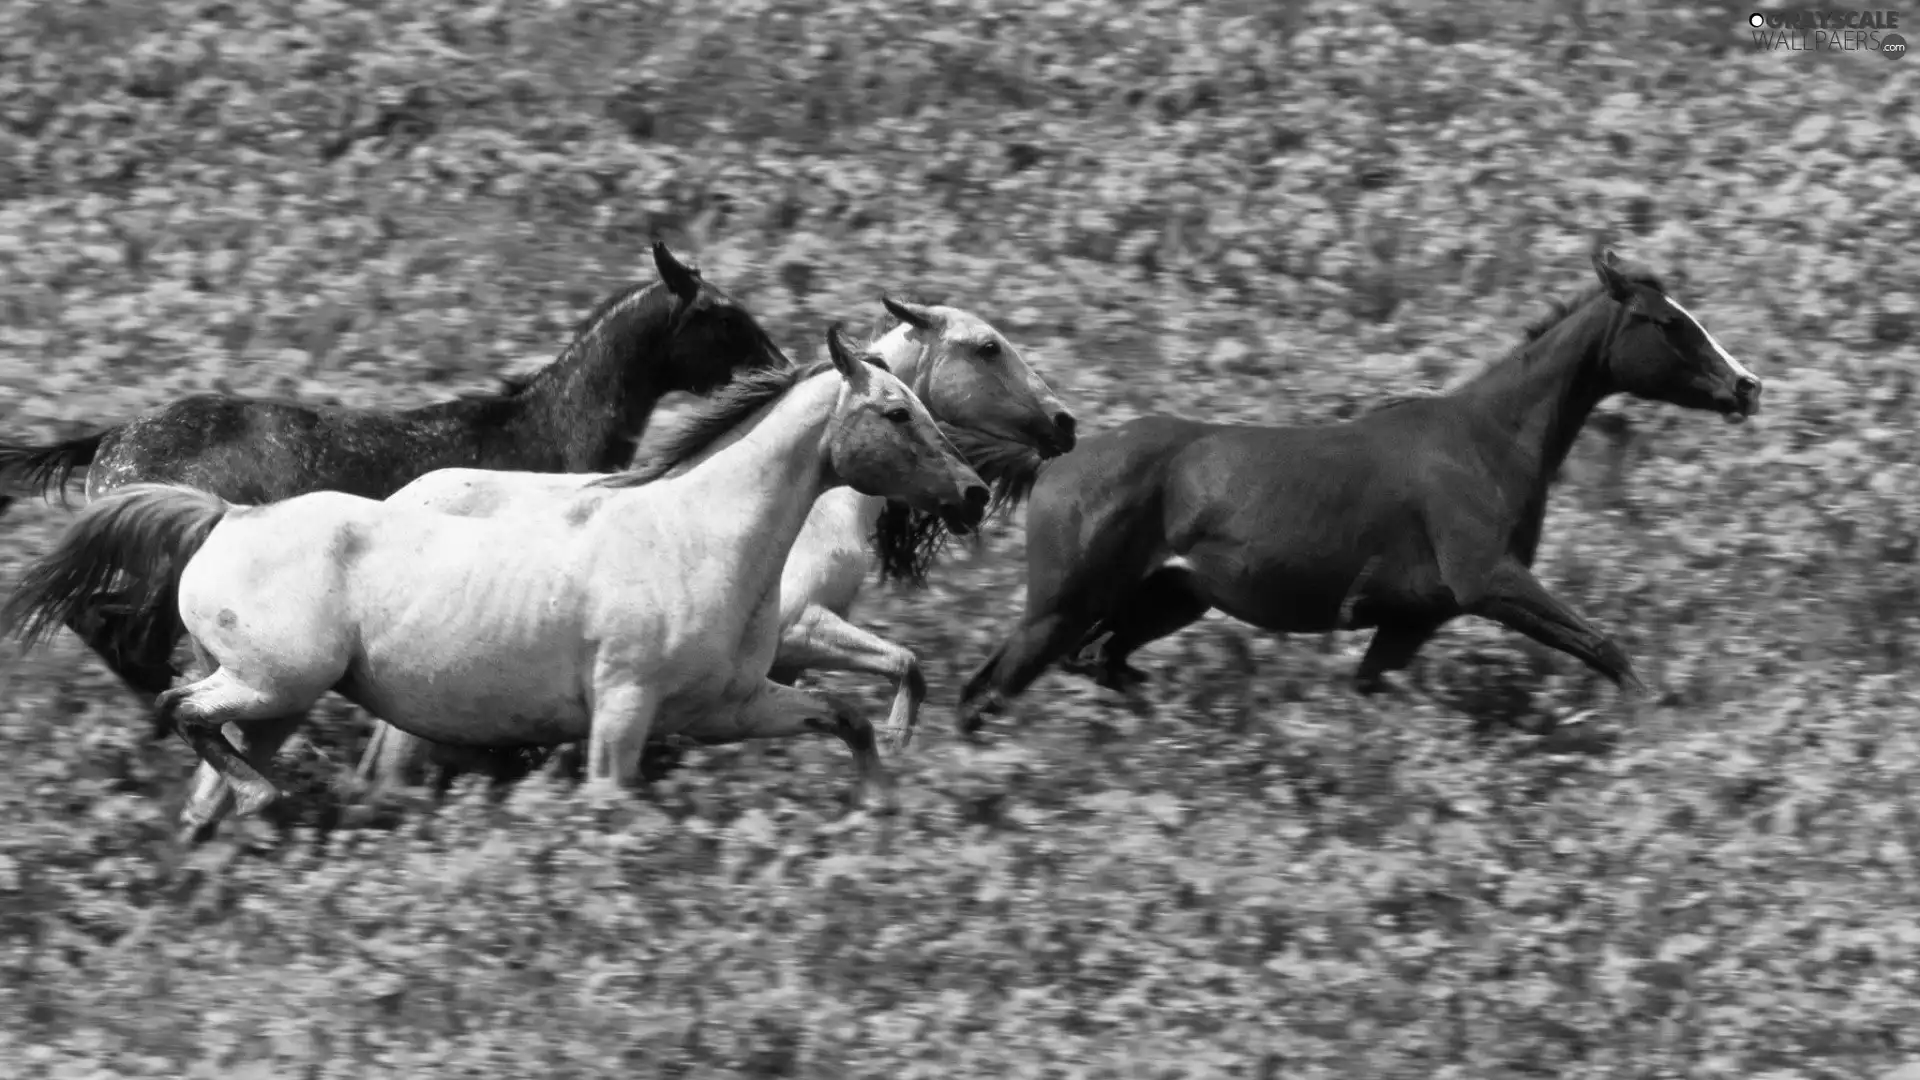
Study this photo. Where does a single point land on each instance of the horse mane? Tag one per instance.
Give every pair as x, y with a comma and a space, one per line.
611, 301
515, 385
508, 386
715, 415
1559, 311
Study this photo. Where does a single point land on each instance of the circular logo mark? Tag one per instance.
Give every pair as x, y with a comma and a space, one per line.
1894, 45
1756, 19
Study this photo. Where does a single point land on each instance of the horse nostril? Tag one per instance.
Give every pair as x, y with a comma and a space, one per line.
1746, 387
1063, 424
977, 497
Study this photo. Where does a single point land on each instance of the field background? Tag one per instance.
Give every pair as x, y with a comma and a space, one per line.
1262, 210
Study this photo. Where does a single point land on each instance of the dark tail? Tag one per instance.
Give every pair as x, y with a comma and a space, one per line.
141, 534
45, 469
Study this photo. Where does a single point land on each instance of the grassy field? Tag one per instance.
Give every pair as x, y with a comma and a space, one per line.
1247, 209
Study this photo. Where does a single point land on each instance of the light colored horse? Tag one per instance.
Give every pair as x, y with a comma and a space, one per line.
630, 609
971, 379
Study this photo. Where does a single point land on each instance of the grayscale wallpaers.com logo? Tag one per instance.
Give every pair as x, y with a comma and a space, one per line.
1828, 30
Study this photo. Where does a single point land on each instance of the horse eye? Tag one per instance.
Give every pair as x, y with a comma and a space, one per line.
899, 415
989, 348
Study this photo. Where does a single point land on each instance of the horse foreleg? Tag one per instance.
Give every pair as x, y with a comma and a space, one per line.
1032, 647
782, 712
622, 718
1392, 649
1514, 598
823, 641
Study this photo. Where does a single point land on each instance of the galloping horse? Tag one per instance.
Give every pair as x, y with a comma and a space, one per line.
985, 397
580, 413
1424, 510
632, 608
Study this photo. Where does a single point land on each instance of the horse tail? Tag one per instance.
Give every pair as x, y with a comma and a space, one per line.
46, 469
143, 533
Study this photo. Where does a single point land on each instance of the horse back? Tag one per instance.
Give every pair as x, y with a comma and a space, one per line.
255, 450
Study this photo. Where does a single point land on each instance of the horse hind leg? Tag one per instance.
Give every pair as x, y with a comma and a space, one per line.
1165, 602
1514, 598
823, 641
212, 797
204, 707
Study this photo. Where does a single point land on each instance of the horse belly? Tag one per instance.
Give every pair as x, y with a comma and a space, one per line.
1342, 591
476, 646
1282, 599
491, 697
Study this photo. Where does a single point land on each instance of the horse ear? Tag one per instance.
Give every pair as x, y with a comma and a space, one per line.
844, 361
918, 316
682, 280
1607, 264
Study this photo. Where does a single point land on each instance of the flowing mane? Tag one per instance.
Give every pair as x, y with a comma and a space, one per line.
715, 415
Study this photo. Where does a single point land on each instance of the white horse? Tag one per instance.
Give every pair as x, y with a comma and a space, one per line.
628, 610
973, 381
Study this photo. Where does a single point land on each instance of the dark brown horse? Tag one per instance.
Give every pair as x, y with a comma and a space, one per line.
581, 413
1424, 510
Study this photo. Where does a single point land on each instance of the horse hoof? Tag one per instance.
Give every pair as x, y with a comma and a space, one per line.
251, 799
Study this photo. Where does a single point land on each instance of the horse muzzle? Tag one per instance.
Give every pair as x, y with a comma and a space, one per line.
1057, 435
1743, 402
965, 517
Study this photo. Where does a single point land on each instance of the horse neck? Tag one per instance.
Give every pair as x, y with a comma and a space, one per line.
596, 399
761, 488
909, 360
1543, 394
